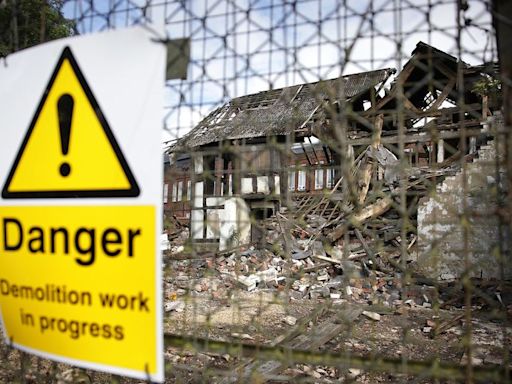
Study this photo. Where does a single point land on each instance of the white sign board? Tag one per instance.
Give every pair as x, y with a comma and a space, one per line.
80, 207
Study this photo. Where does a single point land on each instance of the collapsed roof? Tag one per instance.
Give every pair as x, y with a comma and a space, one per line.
427, 80
279, 111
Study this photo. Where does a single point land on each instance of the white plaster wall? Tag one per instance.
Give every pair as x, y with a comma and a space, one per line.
277, 183
235, 228
247, 185
215, 201
262, 184
213, 217
213, 223
198, 164
449, 238
196, 217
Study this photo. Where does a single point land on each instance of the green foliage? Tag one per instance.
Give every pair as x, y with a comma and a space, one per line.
487, 86
25, 23
491, 87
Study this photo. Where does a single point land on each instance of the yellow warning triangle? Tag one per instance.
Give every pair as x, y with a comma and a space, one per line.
69, 149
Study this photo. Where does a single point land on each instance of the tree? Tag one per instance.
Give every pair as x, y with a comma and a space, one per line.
25, 23
492, 88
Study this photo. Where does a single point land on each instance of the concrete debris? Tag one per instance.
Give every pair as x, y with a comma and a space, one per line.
312, 372
165, 244
363, 265
301, 274
475, 361
248, 282
300, 255
447, 276
323, 277
270, 274
317, 249
334, 252
290, 320
410, 303
177, 306
242, 336
354, 372
226, 357
371, 315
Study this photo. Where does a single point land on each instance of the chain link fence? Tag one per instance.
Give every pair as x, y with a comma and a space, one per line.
336, 188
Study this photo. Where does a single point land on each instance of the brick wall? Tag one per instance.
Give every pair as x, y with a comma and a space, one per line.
456, 235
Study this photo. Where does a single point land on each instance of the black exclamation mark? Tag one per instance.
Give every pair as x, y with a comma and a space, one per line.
65, 109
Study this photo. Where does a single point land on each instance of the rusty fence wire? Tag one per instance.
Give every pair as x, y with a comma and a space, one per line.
336, 190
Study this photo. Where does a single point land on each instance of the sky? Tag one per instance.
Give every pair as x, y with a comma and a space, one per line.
241, 47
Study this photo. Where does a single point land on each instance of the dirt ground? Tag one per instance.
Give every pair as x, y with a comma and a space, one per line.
264, 316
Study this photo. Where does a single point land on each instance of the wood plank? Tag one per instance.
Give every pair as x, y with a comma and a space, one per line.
442, 97
369, 165
421, 137
373, 210
317, 337
304, 201
312, 210
334, 210
327, 203
248, 368
257, 371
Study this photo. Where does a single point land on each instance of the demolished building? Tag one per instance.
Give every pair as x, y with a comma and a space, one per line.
335, 152
236, 151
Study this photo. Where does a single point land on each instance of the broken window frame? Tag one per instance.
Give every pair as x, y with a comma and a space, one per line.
330, 172
230, 184
180, 190
166, 193
174, 192
319, 179
301, 180
292, 181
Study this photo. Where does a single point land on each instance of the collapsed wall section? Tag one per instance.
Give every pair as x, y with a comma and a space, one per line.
459, 225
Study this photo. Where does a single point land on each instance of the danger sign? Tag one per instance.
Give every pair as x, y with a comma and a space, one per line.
67, 125
80, 213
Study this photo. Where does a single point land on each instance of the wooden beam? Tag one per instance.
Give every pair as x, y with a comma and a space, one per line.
419, 137
401, 80
410, 106
373, 210
442, 97
443, 370
314, 151
502, 14
440, 151
368, 167
306, 153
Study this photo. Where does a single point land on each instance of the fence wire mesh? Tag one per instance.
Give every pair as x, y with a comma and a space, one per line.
336, 189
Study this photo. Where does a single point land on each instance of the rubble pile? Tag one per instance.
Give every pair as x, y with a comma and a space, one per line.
322, 247
356, 254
